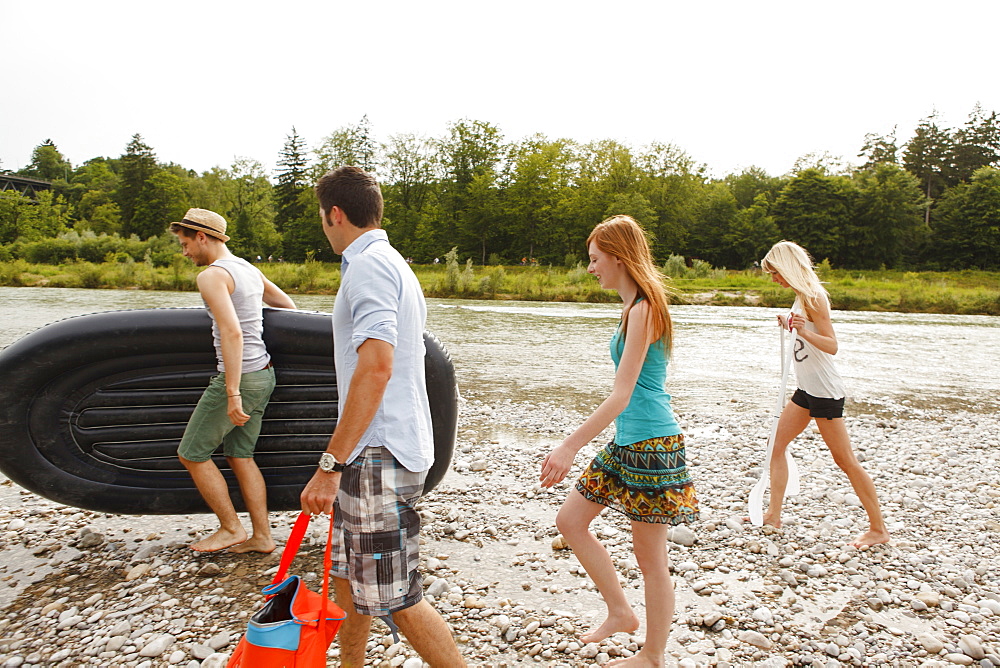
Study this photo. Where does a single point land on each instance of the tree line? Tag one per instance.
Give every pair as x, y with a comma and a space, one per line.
929, 202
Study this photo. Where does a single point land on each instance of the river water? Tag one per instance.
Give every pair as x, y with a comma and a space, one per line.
725, 360
724, 357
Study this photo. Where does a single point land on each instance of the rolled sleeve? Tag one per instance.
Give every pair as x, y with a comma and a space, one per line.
374, 303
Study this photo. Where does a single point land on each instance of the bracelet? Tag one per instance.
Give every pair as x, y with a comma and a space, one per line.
233, 395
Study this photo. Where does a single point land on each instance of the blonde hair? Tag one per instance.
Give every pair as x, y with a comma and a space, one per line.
793, 263
622, 237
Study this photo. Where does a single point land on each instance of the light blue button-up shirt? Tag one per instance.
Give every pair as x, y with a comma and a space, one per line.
380, 298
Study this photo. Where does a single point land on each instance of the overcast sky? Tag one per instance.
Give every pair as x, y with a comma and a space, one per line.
733, 83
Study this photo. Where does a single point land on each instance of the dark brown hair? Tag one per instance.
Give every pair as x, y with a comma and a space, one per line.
186, 231
355, 191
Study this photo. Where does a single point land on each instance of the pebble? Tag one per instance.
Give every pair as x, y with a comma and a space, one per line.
515, 594
971, 645
930, 643
682, 535
158, 645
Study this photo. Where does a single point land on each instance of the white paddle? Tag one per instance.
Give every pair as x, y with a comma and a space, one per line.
756, 503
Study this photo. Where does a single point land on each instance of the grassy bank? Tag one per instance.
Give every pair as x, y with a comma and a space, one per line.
965, 292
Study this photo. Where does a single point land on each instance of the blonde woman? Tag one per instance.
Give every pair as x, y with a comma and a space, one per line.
642, 473
820, 393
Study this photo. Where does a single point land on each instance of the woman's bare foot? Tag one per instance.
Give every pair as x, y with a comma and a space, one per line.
772, 520
220, 540
870, 538
255, 544
626, 623
638, 660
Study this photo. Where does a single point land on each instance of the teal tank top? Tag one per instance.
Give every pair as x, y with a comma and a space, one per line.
648, 414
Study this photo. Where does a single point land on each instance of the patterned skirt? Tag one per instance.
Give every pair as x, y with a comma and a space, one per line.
645, 481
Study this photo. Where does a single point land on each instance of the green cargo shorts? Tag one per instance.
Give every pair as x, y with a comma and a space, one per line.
210, 425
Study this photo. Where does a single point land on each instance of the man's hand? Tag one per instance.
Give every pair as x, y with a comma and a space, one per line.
235, 411
318, 496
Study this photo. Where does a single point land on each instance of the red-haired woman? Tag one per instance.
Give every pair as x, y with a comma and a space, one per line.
642, 473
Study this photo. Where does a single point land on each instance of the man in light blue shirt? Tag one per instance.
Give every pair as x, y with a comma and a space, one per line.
372, 473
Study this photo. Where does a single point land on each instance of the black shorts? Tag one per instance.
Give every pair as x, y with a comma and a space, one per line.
819, 407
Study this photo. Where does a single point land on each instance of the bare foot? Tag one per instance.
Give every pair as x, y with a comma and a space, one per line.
220, 540
613, 624
639, 659
255, 544
870, 538
772, 520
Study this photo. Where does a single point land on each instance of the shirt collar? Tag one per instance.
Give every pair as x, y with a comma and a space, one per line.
361, 243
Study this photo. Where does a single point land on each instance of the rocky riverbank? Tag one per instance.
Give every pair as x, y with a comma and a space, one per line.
88, 589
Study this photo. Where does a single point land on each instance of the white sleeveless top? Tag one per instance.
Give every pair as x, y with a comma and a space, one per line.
815, 372
248, 301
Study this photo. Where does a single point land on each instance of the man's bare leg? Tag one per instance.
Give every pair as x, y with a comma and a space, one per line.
254, 492
429, 635
212, 487
353, 634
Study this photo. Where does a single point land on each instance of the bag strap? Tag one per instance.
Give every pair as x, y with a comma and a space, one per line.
327, 565
295, 537
293, 543
292, 546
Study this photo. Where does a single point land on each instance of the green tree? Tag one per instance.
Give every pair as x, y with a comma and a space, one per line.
249, 206
672, 182
715, 213
15, 210
821, 161
410, 187
966, 233
138, 165
606, 170
750, 183
976, 144
814, 211
48, 164
927, 156
879, 149
97, 212
291, 219
304, 238
539, 181
96, 175
887, 222
25, 219
350, 145
751, 234
471, 156
162, 200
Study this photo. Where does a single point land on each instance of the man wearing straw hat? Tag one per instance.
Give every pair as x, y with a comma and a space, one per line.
230, 410
374, 467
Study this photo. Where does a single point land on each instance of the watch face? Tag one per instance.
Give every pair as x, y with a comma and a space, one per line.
327, 462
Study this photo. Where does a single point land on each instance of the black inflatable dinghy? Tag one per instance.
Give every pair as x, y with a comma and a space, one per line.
92, 408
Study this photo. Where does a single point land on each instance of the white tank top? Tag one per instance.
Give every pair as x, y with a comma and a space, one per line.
247, 300
815, 372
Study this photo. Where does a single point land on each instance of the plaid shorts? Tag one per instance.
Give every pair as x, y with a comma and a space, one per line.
376, 533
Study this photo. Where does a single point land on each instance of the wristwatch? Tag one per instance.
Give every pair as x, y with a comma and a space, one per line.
329, 464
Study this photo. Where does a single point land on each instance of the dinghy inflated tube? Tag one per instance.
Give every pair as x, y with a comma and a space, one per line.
92, 408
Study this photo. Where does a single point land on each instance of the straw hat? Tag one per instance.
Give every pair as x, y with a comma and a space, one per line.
205, 221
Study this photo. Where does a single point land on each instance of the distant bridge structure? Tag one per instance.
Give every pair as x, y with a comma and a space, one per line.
23, 185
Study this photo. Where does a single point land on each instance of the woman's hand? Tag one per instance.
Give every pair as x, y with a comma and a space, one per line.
557, 464
793, 321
